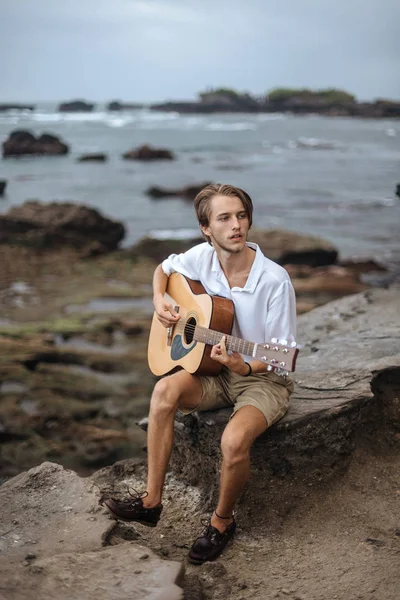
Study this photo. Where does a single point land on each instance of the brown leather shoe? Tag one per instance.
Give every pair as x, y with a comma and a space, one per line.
210, 544
132, 509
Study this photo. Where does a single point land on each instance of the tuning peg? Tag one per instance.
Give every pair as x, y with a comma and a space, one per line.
274, 340
269, 368
283, 342
293, 344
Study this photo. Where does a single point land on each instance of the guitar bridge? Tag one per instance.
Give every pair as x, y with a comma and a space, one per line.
170, 330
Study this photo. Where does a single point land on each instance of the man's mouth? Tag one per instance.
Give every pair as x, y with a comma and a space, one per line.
237, 236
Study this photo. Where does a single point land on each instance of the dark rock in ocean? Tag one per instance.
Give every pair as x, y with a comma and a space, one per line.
148, 153
398, 190
5, 107
3, 185
93, 158
24, 143
117, 106
188, 193
76, 106
60, 224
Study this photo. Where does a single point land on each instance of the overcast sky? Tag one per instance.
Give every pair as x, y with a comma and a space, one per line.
153, 50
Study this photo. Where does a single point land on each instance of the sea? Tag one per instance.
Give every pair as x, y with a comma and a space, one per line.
331, 177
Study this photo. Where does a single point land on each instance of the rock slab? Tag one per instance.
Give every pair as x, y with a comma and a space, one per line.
347, 347
53, 544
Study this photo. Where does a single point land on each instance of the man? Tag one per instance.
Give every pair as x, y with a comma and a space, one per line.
229, 266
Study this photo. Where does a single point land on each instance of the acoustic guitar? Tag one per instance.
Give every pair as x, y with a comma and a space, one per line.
204, 320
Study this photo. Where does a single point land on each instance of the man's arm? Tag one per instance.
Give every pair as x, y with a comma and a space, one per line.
164, 310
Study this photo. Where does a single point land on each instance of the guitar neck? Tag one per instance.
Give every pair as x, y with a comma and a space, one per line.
234, 344
280, 356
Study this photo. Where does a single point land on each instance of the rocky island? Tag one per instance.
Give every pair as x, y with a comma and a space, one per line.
327, 102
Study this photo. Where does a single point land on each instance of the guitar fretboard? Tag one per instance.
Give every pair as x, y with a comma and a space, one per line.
208, 336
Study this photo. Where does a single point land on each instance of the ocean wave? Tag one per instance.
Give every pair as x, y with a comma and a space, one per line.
314, 144
240, 126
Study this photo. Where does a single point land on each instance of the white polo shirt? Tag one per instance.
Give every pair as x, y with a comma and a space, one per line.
265, 307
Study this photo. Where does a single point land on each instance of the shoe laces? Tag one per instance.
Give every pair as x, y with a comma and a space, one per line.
210, 532
134, 498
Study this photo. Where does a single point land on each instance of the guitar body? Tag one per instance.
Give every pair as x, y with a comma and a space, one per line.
170, 350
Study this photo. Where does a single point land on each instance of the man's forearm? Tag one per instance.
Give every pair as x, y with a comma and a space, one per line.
160, 281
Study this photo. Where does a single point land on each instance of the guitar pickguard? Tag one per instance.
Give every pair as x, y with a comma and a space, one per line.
178, 350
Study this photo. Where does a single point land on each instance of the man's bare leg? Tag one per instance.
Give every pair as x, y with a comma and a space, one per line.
180, 390
246, 425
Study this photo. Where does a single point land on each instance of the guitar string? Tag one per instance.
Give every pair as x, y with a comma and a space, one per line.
231, 340
248, 347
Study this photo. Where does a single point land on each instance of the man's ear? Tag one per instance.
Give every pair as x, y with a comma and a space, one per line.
205, 229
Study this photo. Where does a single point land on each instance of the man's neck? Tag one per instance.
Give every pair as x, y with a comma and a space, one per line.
236, 265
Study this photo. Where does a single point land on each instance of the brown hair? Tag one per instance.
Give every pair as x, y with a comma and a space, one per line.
202, 202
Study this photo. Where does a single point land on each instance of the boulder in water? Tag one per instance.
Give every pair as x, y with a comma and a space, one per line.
24, 143
147, 153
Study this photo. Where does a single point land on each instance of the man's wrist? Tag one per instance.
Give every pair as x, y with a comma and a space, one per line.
249, 370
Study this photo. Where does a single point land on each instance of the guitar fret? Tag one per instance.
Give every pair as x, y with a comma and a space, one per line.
210, 337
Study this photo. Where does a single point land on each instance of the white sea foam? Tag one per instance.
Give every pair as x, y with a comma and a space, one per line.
174, 234
241, 126
314, 143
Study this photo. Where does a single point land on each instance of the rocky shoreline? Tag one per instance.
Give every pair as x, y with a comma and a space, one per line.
326, 102
76, 313
318, 519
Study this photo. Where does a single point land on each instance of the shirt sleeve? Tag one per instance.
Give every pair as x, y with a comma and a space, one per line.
281, 317
186, 263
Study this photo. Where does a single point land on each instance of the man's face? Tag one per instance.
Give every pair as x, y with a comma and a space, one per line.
228, 224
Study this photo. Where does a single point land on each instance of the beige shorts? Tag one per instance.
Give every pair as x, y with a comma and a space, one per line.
268, 392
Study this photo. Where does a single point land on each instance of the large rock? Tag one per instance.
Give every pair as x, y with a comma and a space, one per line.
24, 143
281, 246
60, 224
76, 106
287, 247
347, 380
147, 153
3, 185
55, 544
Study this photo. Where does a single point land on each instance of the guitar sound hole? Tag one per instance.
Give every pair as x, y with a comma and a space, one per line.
189, 330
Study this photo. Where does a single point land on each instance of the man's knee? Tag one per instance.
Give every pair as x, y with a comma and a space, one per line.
235, 446
165, 397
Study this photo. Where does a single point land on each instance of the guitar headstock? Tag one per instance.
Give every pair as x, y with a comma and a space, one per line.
279, 355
